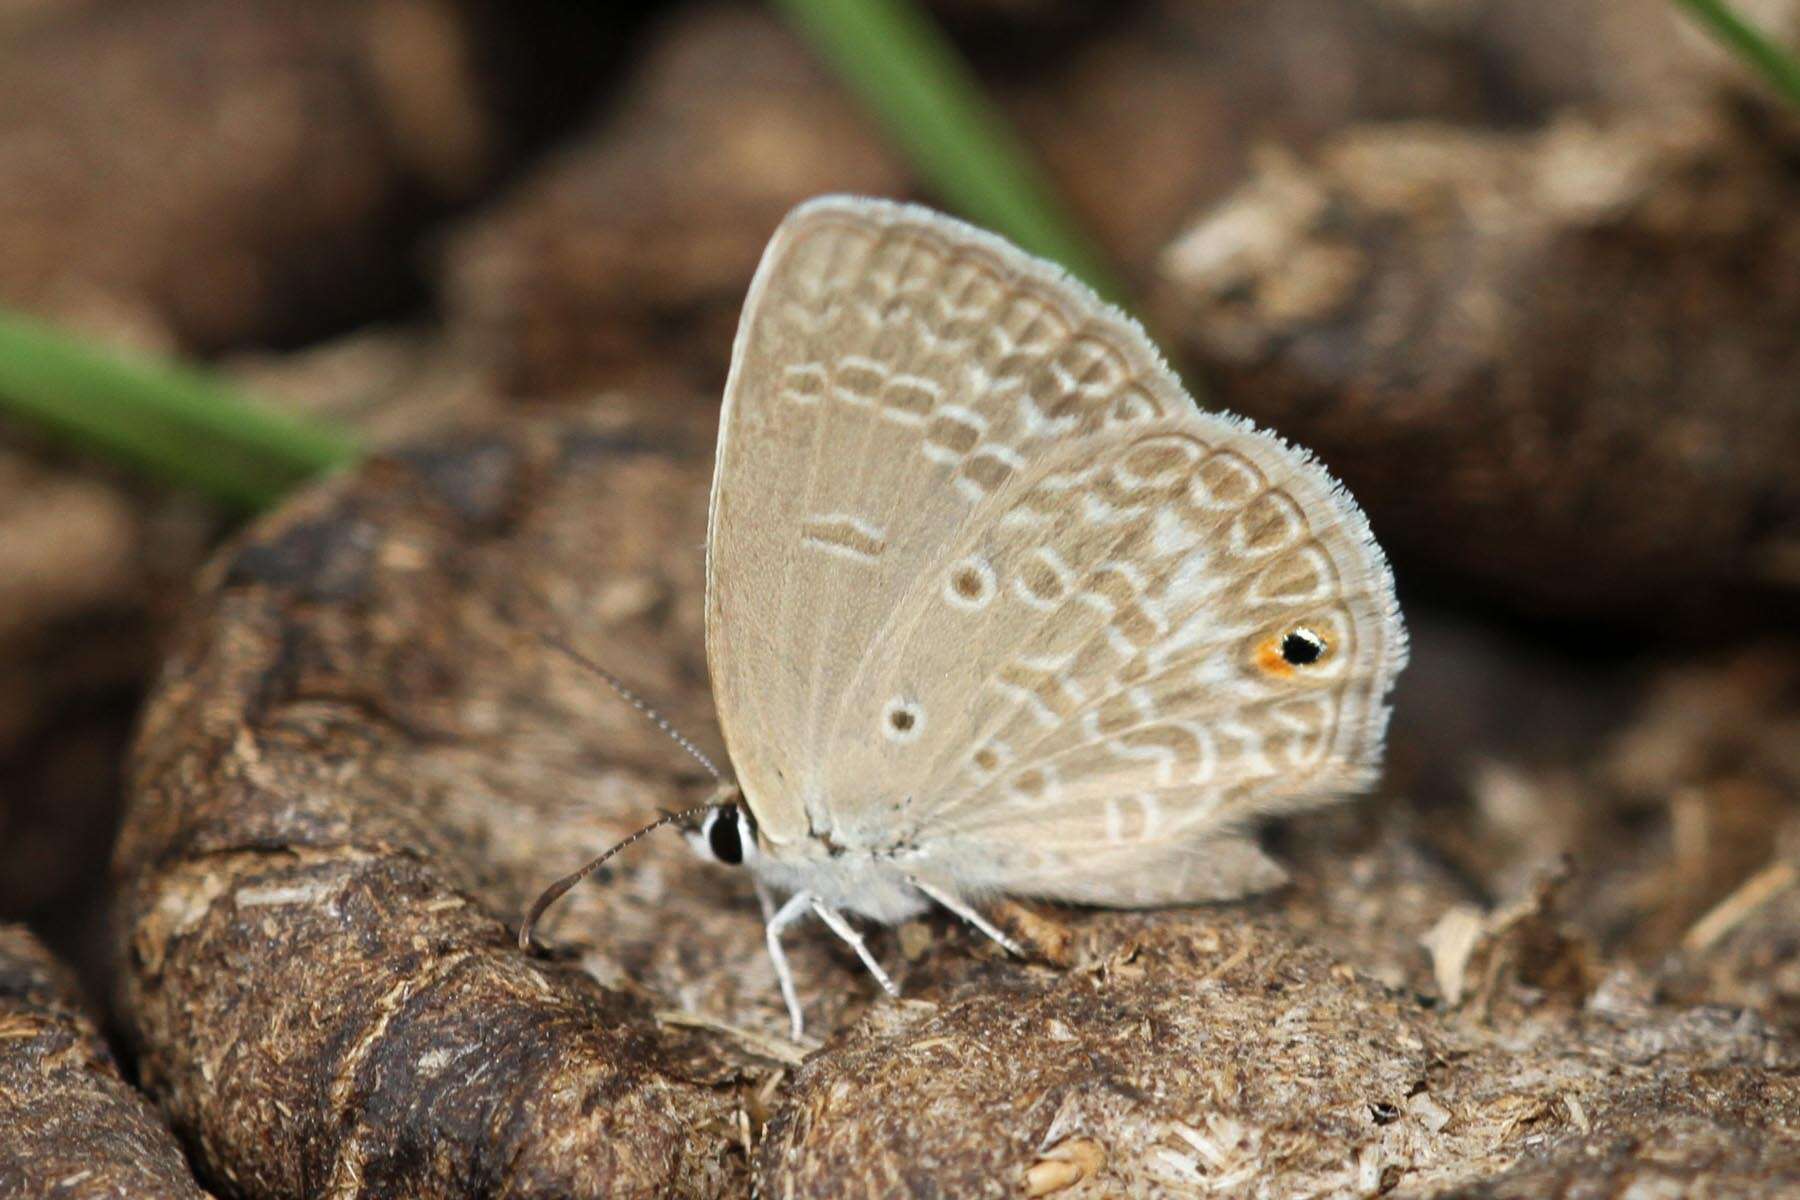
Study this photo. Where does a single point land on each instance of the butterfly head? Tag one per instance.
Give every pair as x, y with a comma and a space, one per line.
706, 825
727, 834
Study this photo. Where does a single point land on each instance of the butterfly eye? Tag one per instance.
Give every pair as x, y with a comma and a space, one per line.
728, 835
1302, 647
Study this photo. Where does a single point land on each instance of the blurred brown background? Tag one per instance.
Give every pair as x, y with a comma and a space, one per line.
1526, 274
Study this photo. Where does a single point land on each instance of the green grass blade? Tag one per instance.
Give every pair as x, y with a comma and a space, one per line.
1779, 67
911, 77
175, 422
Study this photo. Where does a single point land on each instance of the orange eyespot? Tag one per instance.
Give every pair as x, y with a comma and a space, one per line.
1298, 647
1268, 657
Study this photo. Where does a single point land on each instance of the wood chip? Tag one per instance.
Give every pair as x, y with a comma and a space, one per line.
1736, 908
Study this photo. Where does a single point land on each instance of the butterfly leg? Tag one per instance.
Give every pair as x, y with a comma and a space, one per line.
795, 908
765, 898
843, 929
955, 904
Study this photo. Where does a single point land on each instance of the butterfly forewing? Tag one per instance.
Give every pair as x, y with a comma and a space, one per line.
984, 585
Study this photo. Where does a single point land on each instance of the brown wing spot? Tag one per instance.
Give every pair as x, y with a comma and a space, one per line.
804, 383
909, 398
970, 585
856, 380
1047, 686
967, 299
952, 434
1116, 714
1226, 480
845, 535
1040, 579
903, 719
988, 468
1272, 522
1133, 404
1137, 626
1164, 459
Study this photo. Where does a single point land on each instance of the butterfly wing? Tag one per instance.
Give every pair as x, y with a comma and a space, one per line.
986, 589
871, 393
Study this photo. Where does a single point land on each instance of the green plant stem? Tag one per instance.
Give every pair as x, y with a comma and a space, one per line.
175, 422
1776, 65
912, 78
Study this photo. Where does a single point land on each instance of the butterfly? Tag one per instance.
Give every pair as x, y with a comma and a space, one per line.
994, 609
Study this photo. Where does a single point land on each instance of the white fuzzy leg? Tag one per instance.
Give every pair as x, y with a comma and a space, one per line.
786, 915
954, 903
842, 928
765, 898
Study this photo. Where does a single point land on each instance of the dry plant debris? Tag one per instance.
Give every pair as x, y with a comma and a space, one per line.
72, 1126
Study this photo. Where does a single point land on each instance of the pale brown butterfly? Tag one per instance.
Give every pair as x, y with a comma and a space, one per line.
994, 609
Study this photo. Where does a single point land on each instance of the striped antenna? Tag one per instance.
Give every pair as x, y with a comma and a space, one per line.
555, 891
636, 701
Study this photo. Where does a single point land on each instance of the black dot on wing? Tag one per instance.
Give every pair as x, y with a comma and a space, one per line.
901, 719
1302, 647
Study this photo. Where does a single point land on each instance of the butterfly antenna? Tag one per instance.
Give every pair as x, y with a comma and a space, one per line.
638, 702
555, 891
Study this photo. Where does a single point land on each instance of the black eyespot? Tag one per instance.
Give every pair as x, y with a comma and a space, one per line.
1302, 647
724, 838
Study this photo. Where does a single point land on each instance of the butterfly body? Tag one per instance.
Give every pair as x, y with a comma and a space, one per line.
994, 608
873, 882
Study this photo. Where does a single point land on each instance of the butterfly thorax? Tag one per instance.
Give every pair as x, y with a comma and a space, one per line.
870, 882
